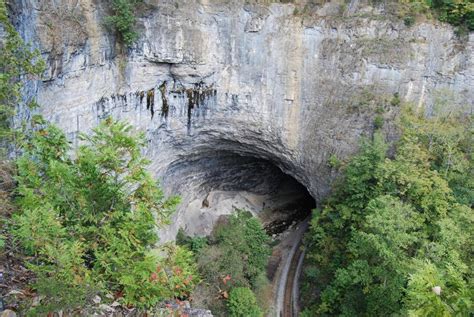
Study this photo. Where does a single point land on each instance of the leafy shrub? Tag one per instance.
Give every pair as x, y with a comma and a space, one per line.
183, 275
454, 293
2, 242
64, 281
378, 122
380, 109
242, 303
123, 19
396, 101
334, 162
244, 239
195, 244
149, 282
89, 220
456, 12
409, 20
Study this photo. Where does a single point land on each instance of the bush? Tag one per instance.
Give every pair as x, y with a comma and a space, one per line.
456, 12
454, 293
123, 19
150, 281
409, 20
378, 122
242, 303
65, 283
2, 242
89, 220
396, 101
334, 162
195, 244
459, 13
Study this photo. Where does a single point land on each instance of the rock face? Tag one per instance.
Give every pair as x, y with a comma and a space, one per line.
213, 83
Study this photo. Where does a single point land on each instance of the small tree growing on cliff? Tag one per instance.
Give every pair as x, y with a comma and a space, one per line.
123, 19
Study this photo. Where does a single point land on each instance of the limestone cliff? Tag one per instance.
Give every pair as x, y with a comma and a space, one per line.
211, 82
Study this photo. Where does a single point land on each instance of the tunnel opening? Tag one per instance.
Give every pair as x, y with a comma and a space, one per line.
216, 183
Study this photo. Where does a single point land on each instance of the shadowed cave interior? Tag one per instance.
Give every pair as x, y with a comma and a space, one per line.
214, 183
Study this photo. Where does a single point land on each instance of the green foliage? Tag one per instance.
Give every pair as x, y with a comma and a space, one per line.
447, 140
89, 220
195, 244
149, 282
62, 278
396, 101
2, 242
409, 20
242, 303
395, 228
454, 297
456, 12
237, 256
243, 238
334, 162
123, 19
378, 122
17, 60
381, 249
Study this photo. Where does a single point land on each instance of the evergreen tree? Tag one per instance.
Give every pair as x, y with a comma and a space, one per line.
89, 220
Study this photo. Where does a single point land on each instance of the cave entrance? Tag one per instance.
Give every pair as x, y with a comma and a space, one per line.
215, 183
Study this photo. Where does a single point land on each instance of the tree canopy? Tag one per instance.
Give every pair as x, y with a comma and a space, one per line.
89, 220
395, 237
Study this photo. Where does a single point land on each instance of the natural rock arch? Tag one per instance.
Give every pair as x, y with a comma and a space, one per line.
216, 176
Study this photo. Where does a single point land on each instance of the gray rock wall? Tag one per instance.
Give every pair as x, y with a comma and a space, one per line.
215, 76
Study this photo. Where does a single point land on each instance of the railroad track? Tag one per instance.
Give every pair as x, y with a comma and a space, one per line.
286, 300
290, 301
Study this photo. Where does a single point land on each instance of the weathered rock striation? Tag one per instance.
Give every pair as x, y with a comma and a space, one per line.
213, 83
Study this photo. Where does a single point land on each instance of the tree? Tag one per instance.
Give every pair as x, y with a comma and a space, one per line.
245, 245
367, 246
344, 209
438, 293
374, 279
123, 19
89, 220
236, 257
